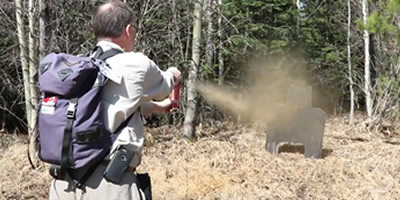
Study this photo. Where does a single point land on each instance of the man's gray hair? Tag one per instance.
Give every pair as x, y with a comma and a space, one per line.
110, 19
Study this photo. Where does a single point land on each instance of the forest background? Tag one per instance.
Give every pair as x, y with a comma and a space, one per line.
246, 55
346, 50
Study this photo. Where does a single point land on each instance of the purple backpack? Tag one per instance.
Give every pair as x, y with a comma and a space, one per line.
71, 127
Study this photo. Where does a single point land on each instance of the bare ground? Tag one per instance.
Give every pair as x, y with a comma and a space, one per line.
229, 161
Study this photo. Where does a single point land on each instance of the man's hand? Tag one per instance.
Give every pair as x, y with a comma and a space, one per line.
177, 74
164, 105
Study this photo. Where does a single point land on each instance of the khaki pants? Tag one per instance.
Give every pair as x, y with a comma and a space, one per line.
97, 188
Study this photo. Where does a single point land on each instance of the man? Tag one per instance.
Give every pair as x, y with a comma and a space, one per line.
114, 25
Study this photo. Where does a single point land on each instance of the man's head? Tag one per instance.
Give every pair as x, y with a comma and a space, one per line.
114, 21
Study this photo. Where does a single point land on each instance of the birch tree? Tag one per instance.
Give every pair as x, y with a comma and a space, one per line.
43, 28
298, 4
367, 70
351, 115
221, 67
209, 33
29, 64
23, 55
33, 89
192, 98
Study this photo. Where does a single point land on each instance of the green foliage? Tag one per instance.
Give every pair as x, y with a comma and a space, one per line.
377, 23
323, 41
277, 27
262, 26
393, 7
382, 21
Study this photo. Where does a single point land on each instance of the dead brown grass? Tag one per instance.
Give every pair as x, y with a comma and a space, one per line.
17, 179
233, 164
229, 162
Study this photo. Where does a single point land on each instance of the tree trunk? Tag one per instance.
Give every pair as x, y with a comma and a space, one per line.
298, 5
189, 125
33, 64
23, 55
221, 67
43, 29
367, 70
25, 70
209, 34
351, 116
43, 48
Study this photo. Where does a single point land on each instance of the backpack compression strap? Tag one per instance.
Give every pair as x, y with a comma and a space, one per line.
66, 154
67, 159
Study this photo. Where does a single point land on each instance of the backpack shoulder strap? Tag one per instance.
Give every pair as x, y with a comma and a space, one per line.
124, 123
98, 54
104, 55
109, 53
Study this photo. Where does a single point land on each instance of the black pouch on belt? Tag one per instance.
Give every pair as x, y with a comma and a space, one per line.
145, 185
118, 165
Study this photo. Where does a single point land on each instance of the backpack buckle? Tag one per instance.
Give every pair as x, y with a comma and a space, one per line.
71, 110
57, 172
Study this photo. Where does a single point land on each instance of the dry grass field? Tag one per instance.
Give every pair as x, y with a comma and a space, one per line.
229, 161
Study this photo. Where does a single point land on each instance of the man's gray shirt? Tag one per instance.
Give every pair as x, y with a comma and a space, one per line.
142, 81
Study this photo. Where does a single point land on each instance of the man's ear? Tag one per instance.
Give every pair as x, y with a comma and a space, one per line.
126, 30
129, 33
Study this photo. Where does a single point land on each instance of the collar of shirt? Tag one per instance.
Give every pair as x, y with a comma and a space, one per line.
106, 45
